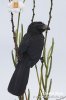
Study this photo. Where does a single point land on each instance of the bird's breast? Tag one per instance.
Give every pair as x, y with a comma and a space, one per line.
36, 46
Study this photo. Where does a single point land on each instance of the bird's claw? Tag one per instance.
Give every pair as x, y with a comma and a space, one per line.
42, 59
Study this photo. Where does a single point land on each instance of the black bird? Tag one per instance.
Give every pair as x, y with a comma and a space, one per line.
29, 53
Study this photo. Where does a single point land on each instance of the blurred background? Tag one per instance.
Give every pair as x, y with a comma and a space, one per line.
58, 31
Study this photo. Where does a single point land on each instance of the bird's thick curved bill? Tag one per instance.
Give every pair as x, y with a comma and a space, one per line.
46, 27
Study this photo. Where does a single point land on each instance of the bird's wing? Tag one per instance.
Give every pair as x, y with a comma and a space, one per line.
24, 45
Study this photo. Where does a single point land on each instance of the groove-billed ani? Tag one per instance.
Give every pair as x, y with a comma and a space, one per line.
29, 52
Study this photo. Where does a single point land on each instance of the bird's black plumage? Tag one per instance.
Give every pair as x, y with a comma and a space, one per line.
29, 53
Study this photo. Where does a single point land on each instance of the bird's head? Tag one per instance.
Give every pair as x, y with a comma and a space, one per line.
37, 27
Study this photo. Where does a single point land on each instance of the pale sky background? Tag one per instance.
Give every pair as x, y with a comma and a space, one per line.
58, 31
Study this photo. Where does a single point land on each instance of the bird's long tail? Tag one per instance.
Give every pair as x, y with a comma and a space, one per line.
19, 80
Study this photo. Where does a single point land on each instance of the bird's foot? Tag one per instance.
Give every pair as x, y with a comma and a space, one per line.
42, 59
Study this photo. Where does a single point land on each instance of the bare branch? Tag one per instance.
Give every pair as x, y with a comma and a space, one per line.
33, 10
14, 35
50, 16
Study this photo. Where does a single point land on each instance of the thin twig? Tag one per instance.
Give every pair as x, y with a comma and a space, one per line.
12, 22
14, 35
50, 16
33, 10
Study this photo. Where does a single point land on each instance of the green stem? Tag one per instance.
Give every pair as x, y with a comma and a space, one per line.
18, 22
46, 83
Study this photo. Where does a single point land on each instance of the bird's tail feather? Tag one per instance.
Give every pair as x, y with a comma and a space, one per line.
19, 80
